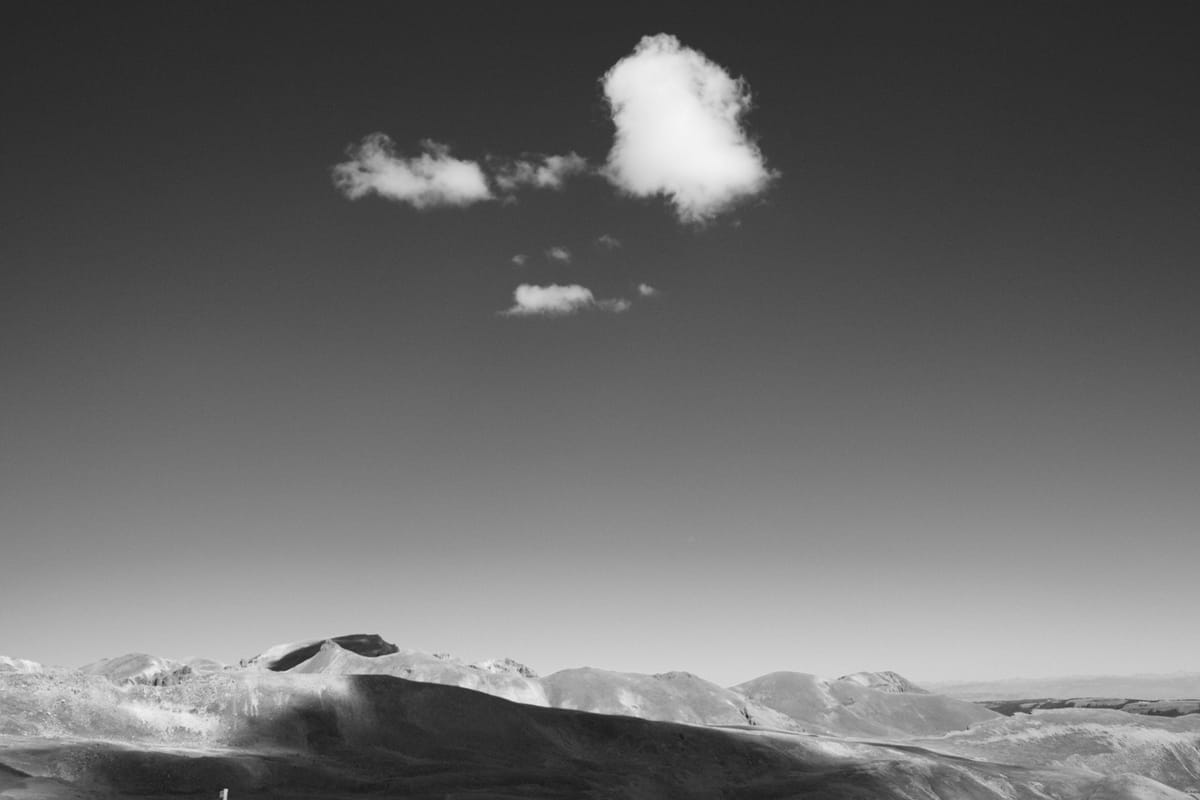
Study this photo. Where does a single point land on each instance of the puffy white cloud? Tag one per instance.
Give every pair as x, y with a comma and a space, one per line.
646, 290
679, 133
549, 172
557, 301
434, 178
609, 242
552, 300
559, 254
519, 259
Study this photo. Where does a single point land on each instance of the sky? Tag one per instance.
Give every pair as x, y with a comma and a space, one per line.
819, 336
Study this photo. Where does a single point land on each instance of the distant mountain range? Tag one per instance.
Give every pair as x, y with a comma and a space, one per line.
1169, 686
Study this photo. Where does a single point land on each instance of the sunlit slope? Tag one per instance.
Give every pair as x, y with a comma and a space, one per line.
668, 697
849, 708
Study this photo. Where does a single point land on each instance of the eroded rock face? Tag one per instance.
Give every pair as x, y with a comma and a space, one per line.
505, 665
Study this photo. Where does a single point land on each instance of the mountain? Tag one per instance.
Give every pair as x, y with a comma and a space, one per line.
502, 678
258, 732
22, 665
886, 681
283, 657
358, 717
849, 708
1112, 742
199, 664
138, 668
1144, 687
668, 697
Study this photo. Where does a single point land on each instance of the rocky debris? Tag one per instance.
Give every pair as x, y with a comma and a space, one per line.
500, 665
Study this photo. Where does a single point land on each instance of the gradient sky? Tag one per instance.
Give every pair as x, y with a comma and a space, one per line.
929, 403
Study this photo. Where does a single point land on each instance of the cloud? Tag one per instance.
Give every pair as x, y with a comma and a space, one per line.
607, 241
557, 301
549, 172
434, 178
678, 130
519, 259
616, 305
646, 290
559, 254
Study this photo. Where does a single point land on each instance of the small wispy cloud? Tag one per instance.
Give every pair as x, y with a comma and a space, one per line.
646, 290
544, 172
679, 133
560, 254
433, 178
608, 241
557, 301
519, 259
616, 305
